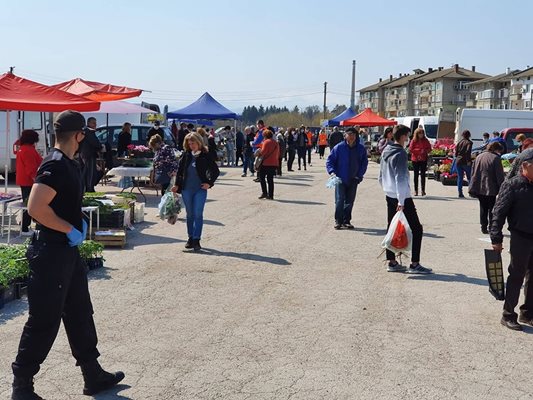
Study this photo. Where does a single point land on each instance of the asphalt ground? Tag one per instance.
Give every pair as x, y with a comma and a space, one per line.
279, 305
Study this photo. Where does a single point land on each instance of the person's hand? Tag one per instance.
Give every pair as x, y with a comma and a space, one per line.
497, 247
174, 189
399, 208
75, 237
332, 174
205, 186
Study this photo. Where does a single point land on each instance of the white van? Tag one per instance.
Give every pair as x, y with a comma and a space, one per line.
19, 121
480, 121
430, 125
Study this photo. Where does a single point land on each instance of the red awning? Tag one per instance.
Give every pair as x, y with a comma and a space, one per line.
97, 91
368, 118
19, 94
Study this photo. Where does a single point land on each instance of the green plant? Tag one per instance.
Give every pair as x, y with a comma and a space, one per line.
130, 196
91, 249
94, 195
13, 263
506, 164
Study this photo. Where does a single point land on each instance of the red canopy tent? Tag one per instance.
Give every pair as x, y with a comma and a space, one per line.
19, 94
97, 91
368, 118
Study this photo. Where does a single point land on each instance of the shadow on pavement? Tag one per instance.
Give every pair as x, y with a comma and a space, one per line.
145, 239
303, 202
214, 223
292, 183
244, 256
371, 231
461, 278
100, 274
13, 309
433, 198
227, 184
113, 393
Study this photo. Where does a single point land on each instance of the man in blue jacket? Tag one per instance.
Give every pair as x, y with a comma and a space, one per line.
348, 161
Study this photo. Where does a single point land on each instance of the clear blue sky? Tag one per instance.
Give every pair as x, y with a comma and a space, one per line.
252, 52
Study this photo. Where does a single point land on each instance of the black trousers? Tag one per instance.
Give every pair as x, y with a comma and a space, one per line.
321, 150
89, 174
26, 219
409, 210
266, 175
309, 152
280, 162
301, 156
486, 204
520, 269
239, 155
290, 161
420, 168
57, 291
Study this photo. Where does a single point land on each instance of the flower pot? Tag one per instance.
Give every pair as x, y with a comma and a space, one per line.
114, 219
94, 263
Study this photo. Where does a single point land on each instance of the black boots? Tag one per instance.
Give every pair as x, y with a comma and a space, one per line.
23, 390
188, 245
96, 379
196, 245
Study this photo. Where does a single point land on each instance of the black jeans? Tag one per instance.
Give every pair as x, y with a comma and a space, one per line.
409, 210
301, 156
280, 162
309, 152
57, 290
321, 150
26, 219
486, 204
420, 168
89, 174
520, 268
239, 155
266, 175
290, 161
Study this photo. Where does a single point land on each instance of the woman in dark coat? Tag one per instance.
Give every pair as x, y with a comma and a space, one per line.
197, 172
487, 177
463, 161
124, 140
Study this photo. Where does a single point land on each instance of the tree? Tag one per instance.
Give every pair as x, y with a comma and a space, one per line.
339, 108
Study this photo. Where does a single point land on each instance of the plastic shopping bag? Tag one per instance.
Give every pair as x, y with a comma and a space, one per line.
399, 237
169, 207
333, 181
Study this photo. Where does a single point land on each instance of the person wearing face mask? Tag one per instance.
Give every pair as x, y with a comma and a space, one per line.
487, 177
154, 130
197, 172
420, 149
58, 289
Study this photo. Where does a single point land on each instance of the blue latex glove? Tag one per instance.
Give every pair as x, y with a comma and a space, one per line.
75, 237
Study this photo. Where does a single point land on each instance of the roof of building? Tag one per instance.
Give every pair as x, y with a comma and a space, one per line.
376, 86
498, 78
524, 73
455, 72
406, 79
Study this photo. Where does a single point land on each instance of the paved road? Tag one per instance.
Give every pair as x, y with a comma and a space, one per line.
279, 305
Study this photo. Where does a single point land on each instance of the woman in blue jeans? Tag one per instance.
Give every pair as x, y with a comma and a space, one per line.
197, 172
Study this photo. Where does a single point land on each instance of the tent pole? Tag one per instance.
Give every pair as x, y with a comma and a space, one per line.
6, 167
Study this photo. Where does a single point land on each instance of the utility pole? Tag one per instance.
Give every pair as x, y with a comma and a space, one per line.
325, 92
352, 98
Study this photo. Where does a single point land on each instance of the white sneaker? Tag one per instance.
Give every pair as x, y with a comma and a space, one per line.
419, 269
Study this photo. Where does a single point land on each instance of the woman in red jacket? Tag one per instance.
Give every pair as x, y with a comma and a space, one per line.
420, 149
28, 161
270, 153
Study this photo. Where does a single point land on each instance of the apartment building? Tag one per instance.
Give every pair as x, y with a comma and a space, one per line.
493, 92
399, 95
373, 96
522, 93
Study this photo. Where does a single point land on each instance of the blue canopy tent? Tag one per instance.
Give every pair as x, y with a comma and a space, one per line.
336, 121
206, 107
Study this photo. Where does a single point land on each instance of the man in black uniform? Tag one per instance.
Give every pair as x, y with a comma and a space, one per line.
155, 130
515, 203
89, 149
58, 288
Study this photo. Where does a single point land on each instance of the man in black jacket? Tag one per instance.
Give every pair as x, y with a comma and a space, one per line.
89, 149
335, 138
515, 203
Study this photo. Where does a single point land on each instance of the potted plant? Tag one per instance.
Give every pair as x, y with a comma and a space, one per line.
92, 253
14, 271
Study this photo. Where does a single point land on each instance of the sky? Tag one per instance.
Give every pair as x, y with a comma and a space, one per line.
248, 52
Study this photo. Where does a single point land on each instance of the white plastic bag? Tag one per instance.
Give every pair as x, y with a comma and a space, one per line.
333, 181
399, 238
169, 207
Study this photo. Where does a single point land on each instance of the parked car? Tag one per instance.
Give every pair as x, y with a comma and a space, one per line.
510, 134
139, 133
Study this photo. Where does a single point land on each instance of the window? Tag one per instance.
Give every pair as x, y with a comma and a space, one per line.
32, 120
